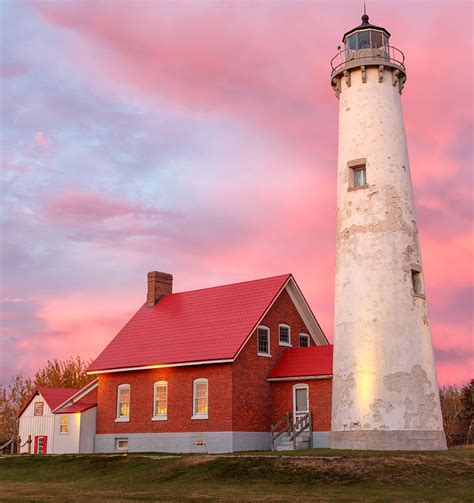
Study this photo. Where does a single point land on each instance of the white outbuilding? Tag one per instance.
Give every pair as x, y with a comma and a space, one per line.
59, 420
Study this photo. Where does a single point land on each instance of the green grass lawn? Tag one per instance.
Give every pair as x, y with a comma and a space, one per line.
316, 475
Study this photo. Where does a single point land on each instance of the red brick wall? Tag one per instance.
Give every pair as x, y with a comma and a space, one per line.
240, 397
180, 400
91, 397
320, 393
252, 394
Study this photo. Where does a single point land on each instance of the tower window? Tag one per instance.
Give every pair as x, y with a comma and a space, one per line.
417, 282
360, 177
357, 174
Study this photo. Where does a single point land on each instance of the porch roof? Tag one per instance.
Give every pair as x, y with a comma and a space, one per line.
314, 361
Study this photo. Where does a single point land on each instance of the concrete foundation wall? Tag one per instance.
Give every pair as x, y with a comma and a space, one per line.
207, 442
321, 439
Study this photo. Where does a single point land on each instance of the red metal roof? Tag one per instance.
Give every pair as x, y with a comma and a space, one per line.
76, 407
304, 362
52, 396
201, 325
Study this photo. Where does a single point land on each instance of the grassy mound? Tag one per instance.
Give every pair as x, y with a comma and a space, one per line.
303, 475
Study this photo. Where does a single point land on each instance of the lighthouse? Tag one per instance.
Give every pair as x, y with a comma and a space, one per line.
385, 390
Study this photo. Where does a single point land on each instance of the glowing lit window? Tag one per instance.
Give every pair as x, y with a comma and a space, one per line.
304, 340
39, 408
284, 334
160, 400
123, 402
64, 424
200, 399
263, 336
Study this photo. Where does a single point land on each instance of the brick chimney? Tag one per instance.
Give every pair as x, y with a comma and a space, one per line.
159, 284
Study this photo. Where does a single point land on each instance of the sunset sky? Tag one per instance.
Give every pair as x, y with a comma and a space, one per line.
200, 139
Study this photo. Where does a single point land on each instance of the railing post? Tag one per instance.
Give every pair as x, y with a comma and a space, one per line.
18, 444
29, 444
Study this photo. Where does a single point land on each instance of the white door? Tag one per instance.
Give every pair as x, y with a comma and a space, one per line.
300, 402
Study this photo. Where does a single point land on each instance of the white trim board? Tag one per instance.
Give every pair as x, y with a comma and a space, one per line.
164, 366
78, 395
300, 378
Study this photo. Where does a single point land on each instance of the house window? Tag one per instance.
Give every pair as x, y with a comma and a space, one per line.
200, 399
64, 424
284, 334
39, 408
263, 334
121, 444
417, 282
304, 340
160, 400
357, 174
123, 402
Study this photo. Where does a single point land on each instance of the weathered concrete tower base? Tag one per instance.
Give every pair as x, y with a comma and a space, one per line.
392, 440
385, 389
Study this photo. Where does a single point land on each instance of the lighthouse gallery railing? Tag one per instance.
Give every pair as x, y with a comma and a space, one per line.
361, 56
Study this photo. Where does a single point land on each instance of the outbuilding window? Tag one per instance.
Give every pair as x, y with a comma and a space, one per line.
263, 341
284, 334
39, 408
304, 340
160, 400
64, 424
123, 402
200, 399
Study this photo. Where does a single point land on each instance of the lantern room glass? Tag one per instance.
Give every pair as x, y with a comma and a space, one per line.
366, 39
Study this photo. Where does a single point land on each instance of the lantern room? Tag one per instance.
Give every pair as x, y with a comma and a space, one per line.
366, 36
367, 46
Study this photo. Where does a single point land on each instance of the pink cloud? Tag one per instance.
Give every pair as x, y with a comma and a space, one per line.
265, 68
41, 140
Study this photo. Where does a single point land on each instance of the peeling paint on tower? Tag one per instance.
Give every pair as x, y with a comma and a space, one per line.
385, 387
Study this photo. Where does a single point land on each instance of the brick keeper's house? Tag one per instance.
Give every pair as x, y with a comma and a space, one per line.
212, 370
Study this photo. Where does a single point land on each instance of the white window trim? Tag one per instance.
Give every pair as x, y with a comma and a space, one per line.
34, 408
300, 386
269, 354
287, 344
197, 415
159, 417
119, 418
64, 432
307, 337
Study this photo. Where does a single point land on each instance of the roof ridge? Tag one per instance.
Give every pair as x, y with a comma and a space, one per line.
232, 284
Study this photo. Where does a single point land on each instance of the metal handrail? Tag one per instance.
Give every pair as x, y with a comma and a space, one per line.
307, 423
387, 52
287, 420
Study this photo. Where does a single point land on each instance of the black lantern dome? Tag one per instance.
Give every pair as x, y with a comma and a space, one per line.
366, 36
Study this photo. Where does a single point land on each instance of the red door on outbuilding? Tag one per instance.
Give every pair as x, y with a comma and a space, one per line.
41, 442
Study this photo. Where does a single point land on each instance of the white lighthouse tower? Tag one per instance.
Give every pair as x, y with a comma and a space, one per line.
385, 391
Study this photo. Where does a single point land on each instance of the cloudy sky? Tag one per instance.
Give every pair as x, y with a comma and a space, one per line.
200, 138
